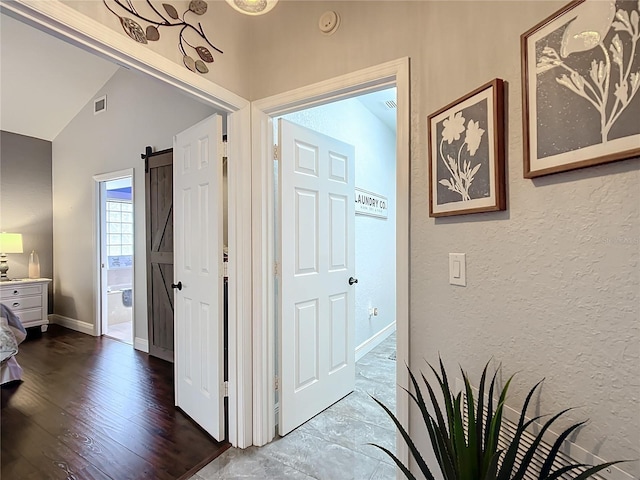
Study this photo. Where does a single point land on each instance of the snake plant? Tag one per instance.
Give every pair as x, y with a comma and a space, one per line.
471, 451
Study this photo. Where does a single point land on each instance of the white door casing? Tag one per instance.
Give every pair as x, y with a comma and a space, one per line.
197, 173
317, 252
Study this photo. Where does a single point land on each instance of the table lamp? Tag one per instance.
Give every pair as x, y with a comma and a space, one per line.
9, 243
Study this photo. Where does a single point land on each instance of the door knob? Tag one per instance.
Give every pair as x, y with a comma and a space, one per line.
177, 285
352, 280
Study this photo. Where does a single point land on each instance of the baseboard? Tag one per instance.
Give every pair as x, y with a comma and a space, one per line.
371, 343
73, 324
141, 344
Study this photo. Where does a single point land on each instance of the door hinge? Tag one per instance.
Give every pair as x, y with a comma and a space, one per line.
225, 149
226, 389
225, 269
276, 268
276, 383
276, 152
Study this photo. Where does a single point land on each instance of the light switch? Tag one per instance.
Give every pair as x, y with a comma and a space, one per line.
458, 269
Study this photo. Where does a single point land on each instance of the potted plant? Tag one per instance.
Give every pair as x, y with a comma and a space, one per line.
471, 452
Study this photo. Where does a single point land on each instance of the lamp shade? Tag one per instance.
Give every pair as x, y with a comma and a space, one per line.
252, 7
10, 242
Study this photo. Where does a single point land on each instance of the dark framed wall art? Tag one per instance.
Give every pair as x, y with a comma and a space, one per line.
580, 82
466, 154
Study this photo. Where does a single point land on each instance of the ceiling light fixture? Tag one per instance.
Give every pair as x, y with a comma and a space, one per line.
253, 7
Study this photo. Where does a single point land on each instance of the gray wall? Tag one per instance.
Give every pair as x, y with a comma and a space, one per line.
26, 201
140, 112
553, 283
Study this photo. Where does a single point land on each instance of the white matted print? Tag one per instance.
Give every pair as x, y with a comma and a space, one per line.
580, 82
466, 154
371, 204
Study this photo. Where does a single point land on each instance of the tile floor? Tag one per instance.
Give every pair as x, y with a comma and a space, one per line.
333, 444
121, 331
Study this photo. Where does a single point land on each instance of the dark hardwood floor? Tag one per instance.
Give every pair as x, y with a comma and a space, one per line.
94, 408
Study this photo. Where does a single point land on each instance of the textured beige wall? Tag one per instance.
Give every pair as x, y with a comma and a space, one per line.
553, 283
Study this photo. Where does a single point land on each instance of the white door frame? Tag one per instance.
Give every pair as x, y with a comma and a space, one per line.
394, 73
99, 242
62, 21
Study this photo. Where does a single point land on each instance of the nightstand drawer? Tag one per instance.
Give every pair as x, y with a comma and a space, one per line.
27, 316
22, 303
19, 291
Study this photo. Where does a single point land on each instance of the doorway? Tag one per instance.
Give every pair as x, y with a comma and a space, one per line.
363, 314
373, 79
116, 246
65, 22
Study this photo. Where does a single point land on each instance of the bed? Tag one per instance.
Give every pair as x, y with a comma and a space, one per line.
12, 333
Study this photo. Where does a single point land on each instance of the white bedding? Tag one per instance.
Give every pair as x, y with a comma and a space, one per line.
12, 333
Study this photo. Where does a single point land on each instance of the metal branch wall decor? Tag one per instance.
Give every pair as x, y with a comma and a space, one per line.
168, 16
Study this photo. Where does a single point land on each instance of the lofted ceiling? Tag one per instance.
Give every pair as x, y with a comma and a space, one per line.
44, 81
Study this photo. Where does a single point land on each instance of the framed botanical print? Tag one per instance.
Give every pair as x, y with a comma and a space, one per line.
466, 154
580, 82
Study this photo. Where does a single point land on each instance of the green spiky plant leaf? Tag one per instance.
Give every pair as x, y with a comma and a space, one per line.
471, 452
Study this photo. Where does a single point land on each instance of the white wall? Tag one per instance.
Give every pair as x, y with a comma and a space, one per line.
350, 122
554, 282
140, 112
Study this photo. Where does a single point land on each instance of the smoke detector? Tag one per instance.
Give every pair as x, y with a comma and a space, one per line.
329, 22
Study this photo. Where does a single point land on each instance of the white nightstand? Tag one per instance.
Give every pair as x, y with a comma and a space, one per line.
28, 299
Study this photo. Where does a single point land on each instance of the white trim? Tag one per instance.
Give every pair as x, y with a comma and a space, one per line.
72, 323
99, 297
141, 344
117, 175
62, 21
371, 79
240, 287
264, 424
403, 205
375, 340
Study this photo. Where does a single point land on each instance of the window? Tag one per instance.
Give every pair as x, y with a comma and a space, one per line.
119, 234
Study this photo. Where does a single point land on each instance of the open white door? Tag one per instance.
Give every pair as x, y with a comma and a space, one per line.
197, 198
317, 309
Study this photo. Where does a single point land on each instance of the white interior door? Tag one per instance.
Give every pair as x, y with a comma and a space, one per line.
317, 309
197, 196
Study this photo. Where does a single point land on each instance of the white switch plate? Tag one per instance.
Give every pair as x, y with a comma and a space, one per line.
458, 269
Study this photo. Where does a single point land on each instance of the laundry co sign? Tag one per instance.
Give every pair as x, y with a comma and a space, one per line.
372, 204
